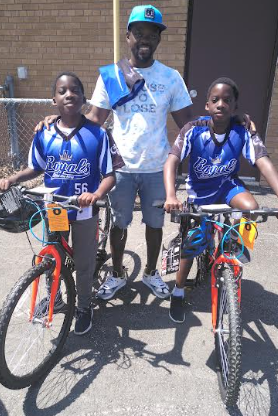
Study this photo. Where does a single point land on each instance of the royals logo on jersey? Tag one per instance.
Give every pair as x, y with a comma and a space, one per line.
203, 169
215, 161
65, 156
65, 170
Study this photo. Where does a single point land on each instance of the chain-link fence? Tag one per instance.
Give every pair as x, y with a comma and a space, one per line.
18, 117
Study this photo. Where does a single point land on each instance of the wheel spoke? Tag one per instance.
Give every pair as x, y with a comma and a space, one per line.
228, 338
221, 333
29, 347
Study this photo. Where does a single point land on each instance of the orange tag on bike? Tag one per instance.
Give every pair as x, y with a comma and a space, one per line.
248, 231
57, 218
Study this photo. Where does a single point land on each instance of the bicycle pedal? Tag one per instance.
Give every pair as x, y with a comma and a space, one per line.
190, 283
101, 255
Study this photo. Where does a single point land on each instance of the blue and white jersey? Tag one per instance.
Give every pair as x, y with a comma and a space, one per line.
212, 162
72, 163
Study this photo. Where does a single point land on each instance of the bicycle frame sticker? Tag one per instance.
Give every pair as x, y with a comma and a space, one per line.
248, 232
58, 218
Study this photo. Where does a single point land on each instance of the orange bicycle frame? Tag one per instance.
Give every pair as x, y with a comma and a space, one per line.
220, 259
53, 252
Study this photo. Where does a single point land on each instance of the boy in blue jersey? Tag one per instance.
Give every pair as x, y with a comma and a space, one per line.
214, 145
74, 154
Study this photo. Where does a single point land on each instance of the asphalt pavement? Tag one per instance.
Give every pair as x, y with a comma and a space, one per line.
136, 361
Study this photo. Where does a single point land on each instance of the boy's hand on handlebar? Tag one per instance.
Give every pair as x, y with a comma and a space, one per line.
172, 203
87, 198
5, 184
46, 122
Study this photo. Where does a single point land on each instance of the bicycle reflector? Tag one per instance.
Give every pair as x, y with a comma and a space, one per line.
16, 211
196, 240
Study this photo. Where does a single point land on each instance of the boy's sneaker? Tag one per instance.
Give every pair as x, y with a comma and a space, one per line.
177, 312
83, 322
111, 285
42, 308
156, 284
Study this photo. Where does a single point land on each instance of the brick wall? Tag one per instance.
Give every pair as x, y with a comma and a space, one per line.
272, 127
48, 36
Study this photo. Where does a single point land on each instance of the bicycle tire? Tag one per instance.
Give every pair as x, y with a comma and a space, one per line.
228, 338
23, 363
203, 267
104, 223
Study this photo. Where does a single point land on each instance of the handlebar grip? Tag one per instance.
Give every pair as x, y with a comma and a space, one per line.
73, 200
158, 203
101, 203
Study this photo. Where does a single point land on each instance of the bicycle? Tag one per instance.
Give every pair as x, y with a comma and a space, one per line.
220, 262
36, 316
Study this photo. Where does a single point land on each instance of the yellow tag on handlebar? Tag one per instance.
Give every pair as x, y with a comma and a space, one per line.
58, 218
248, 232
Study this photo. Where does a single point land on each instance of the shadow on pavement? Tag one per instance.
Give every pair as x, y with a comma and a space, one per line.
3, 411
109, 342
259, 392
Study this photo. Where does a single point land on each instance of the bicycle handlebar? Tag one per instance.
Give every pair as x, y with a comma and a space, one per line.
202, 211
72, 201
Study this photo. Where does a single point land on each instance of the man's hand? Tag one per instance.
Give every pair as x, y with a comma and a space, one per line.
87, 198
246, 122
172, 203
46, 122
5, 184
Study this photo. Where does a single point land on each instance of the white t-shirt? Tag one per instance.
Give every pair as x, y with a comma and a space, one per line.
139, 129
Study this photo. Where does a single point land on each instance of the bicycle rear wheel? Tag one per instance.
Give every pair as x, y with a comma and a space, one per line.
104, 223
203, 267
30, 347
228, 338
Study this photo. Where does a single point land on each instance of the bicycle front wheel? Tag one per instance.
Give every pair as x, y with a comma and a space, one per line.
228, 338
28, 345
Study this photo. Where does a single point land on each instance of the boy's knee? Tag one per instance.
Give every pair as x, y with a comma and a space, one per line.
249, 204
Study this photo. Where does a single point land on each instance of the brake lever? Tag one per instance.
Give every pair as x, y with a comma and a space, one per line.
72, 204
69, 207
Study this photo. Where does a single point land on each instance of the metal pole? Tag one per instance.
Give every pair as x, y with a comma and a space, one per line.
116, 29
11, 110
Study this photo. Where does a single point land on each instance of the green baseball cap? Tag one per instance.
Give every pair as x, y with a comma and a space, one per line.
147, 13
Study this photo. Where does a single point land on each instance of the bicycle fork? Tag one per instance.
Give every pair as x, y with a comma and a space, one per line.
49, 250
218, 263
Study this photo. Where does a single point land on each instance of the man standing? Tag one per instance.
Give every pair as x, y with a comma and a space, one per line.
140, 134
141, 92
